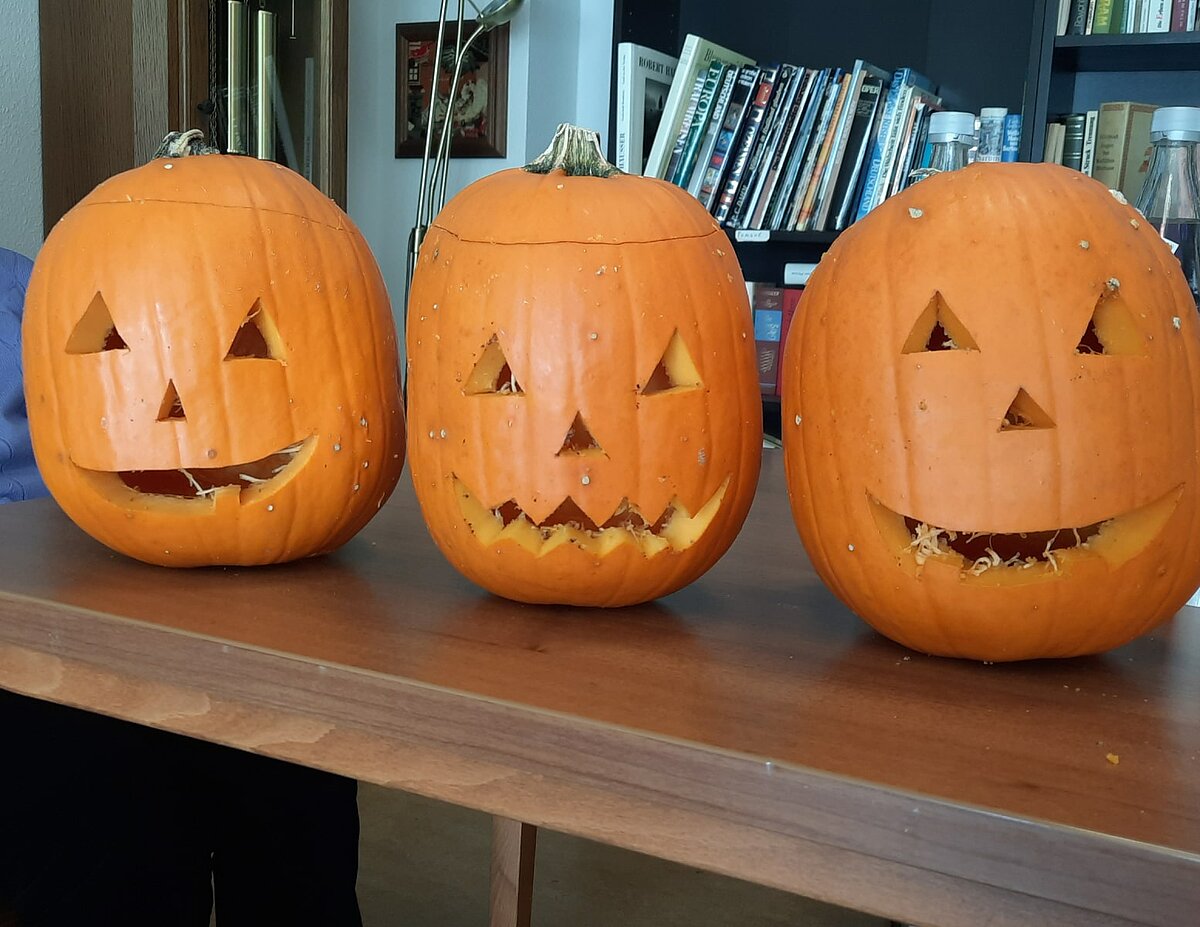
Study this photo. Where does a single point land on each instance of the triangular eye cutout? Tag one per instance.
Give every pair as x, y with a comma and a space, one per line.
675, 371
579, 440
1024, 414
96, 331
1111, 329
492, 374
256, 337
171, 408
938, 329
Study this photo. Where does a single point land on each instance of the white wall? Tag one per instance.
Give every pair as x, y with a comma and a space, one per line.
560, 59
20, 128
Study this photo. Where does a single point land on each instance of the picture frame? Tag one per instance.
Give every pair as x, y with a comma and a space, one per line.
482, 104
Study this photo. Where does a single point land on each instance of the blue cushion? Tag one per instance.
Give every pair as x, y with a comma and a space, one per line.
19, 477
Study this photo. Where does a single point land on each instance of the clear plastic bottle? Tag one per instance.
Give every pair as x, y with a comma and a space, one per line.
1170, 197
951, 137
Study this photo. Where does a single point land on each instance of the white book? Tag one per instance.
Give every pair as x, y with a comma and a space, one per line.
1091, 17
1064, 16
695, 57
1089, 141
1191, 16
643, 82
1159, 17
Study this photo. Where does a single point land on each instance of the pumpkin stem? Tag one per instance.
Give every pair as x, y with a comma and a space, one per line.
182, 144
575, 151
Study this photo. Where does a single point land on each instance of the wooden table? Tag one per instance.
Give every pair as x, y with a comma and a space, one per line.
748, 724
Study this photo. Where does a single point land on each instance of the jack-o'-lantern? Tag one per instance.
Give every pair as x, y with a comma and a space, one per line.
583, 404
211, 365
992, 417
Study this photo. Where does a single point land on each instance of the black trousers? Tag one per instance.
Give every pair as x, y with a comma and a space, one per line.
108, 823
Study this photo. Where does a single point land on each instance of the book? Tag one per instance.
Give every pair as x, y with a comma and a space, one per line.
708, 136
883, 153
804, 144
858, 145
1073, 131
1158, 16
1091, 17
781, 101
791, 304
643, 81
766, 302
1117, 22
1064, 16
797, 273
1102, 22
1089, 142
775, 147
694, 59
1179, 16
745, 143
704, 102
838, 141
1012, 138
1053, 148
685, 125
735, 114
816, 186
1122, 146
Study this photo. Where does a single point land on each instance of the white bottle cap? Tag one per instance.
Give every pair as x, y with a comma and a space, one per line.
945, 127
993, 112
1178, 123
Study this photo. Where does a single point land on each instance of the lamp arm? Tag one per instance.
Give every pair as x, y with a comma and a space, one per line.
442, 163
422, 195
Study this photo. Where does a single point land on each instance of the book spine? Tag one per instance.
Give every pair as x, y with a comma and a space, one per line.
767, 304
685, 127
1073, 141
624, 94
1012, 137
687, 160
1091, 17
780, 102
716, 119
1110, 150
1191, 15
837, 152
806, 212
873, 180
1179, 16
746, 144
857, 145
1160, 16
804, 139
774, 156
1117, 24
735, 114
1079, 17
1088, 161
673, 109
1103, 18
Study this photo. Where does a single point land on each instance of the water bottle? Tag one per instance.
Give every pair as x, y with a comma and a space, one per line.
951, 137
1170, 197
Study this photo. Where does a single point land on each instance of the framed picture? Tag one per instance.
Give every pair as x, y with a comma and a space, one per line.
481, 108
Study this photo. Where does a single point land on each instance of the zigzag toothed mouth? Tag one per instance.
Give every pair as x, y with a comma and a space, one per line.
1027, 554
250, 480
675, 529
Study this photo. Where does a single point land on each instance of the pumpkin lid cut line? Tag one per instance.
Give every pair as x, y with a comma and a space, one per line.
253, 209
602, 240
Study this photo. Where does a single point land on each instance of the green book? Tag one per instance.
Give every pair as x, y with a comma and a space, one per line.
687, 160
1116, 23
1102, 24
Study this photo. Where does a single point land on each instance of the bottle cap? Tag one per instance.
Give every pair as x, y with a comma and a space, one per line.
993, 112
1178, 123
946, 127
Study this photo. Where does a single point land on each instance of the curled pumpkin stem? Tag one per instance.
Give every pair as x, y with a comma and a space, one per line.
183, 144
576, 152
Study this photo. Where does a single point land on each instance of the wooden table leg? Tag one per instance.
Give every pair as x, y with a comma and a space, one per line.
513, 844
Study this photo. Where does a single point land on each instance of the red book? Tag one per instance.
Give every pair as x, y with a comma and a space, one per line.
1179, 15
791, 299
766, 301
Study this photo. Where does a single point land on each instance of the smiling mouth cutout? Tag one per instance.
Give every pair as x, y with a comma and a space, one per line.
675, 529
999, 559
246, 482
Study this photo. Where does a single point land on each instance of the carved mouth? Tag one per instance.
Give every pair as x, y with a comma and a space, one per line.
246, 481
996, 557
675, 529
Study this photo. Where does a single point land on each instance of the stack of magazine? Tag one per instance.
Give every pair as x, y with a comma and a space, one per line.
777, 146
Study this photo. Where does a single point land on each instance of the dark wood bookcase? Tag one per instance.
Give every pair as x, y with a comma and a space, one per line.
1075, 73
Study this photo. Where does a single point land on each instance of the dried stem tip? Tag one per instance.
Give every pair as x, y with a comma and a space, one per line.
576, 152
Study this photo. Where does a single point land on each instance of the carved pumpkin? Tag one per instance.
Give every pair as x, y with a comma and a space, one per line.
586, 423
990, 407
211, 366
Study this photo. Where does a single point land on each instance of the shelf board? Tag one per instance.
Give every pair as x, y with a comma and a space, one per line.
1163, 51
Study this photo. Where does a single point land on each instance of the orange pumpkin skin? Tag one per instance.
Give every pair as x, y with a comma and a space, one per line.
182, 253
583, 282
878, 427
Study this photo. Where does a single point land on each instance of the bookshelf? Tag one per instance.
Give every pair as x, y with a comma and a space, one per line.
1075, 73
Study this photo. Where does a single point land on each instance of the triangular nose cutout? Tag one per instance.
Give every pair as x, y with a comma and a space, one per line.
171, 409
676, 370
96, 331
579, 440
1024, 414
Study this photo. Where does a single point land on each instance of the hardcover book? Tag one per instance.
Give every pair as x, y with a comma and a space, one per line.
708, 141
694, 59
704, 104
781, 99
735, 115
745, 144
863, 131
643, 81
1122, 146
